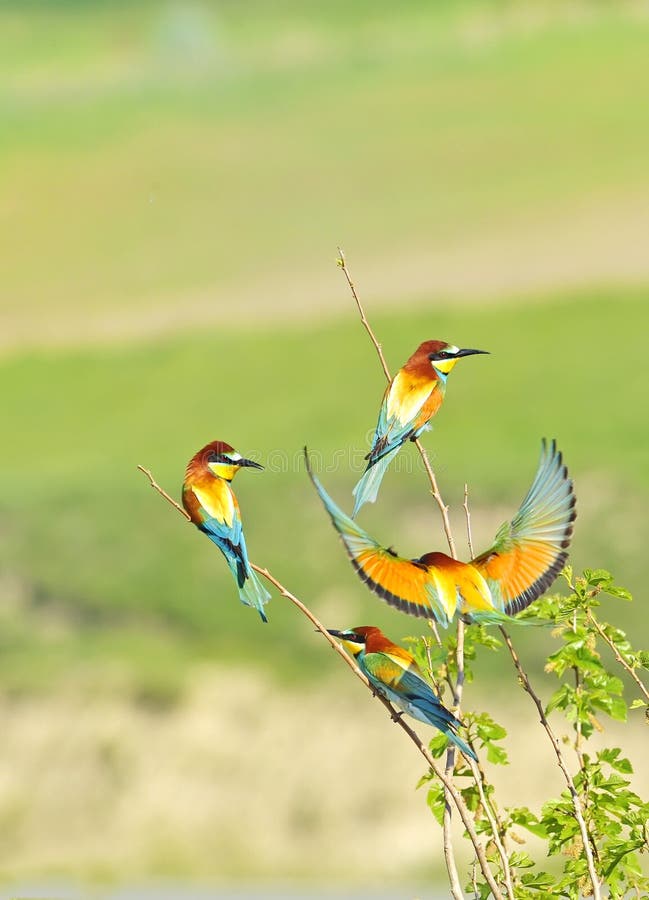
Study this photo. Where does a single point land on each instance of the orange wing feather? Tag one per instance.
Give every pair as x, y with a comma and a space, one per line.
403, 583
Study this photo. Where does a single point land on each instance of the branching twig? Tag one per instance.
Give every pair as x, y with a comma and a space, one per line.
457, 687
585, 837
495, 829
462, 809
629, 669
412, 734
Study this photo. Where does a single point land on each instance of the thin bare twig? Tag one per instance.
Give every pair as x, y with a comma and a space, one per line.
474, 881
578, 731
450, 753
629, 669
462, 809
457, 689
433, 627
495, 826
434, 489
154, 484
585, 837
342, 262
449, 855
467, 516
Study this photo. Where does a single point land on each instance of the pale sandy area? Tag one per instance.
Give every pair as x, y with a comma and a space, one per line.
243, 776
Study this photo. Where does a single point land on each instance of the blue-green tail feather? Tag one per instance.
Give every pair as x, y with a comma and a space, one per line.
367, 489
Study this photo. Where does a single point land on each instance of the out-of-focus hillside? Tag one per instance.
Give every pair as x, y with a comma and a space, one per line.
167, 165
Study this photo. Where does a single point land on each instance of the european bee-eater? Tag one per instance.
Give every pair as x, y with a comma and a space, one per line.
412, 398
393, 672
213, 508
524, 560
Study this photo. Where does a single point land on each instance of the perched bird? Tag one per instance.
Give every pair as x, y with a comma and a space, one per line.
526, 556
412, 398
393, 672
213, 508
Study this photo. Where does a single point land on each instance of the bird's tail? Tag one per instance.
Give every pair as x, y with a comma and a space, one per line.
462, 745
251, 590
444, 720
368, 486
254, 594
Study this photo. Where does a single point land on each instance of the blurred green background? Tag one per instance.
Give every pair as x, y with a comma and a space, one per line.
174, 181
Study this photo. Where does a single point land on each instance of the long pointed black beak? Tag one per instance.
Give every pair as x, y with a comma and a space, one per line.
334, 633
249, 463
466, 352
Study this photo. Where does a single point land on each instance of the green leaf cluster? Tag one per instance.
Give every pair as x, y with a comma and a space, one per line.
593, 661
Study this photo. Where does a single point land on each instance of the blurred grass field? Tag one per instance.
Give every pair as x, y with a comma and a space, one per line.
174, 181
99, 566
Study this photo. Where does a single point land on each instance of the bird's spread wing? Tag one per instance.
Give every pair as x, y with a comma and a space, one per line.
402, 404
400, 582
530, 551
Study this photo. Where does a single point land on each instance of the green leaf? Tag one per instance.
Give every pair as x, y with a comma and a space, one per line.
438, 745
619, 592
643, 658
436, 800
497, 755
521, 860
526, 819
539, 880
618, 709
597, 577
488, 729
611, 755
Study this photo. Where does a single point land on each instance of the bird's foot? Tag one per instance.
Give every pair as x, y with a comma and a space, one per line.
396, 716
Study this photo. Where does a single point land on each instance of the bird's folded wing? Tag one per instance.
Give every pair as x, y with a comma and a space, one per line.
390, 671
410, 685
530, 551
400, 582
227, 535
403, 402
